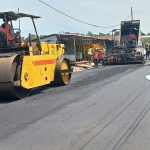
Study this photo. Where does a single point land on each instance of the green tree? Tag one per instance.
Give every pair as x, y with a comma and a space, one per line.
42, 36
33, 37
90, 33
142, 33
146, 40
108, 34
116, 33
82, 34
23, 39
101, 34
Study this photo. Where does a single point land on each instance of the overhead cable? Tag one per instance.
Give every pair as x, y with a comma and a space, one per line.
80, 20
142, 13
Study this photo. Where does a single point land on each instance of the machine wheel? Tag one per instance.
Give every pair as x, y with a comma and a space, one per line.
62, 78
9, 73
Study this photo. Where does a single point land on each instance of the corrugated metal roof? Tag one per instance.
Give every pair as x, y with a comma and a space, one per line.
71, 35
108, 37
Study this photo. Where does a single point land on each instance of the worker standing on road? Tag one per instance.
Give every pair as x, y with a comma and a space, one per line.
101, 56
90, 55
95, 57
147, 52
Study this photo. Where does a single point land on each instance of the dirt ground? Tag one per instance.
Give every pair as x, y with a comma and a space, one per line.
80, 66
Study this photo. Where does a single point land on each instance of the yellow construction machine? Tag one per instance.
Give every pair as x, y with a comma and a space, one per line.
24, 66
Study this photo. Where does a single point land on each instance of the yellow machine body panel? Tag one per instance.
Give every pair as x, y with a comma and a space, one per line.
52, 49
39, 69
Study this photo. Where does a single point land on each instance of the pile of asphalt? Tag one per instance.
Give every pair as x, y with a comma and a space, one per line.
103, 74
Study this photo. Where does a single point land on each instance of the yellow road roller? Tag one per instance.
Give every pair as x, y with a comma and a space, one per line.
24, 66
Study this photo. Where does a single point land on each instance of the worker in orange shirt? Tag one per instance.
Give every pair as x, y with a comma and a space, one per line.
95, 57
101, 56
8, 29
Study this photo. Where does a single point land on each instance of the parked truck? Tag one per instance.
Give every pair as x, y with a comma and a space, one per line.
129, 47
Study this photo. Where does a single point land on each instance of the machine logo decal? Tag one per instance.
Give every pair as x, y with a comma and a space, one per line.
52, 50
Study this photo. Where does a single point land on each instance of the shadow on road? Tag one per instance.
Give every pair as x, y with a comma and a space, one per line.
34, 91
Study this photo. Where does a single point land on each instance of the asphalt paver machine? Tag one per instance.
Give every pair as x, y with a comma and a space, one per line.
127, 50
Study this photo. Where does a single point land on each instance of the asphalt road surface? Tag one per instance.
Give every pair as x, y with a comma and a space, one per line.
105, 108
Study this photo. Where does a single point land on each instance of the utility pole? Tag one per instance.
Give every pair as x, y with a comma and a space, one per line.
111, 34
131, 14
19, 20
75, 51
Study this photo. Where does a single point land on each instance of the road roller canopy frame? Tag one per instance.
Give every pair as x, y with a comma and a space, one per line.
9, 16
14, 15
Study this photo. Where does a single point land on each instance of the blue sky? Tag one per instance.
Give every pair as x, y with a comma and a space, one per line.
98, 12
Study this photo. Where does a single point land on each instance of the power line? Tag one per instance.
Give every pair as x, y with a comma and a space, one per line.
142, 13
78, 19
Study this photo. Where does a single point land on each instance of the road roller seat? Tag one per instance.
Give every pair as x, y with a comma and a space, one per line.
3, 39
